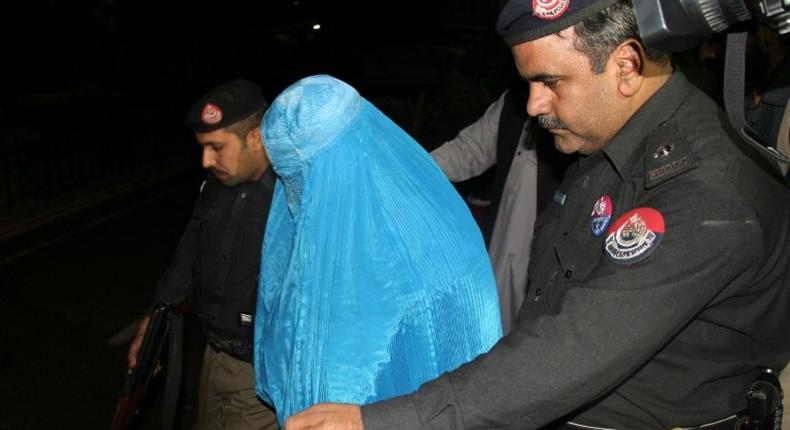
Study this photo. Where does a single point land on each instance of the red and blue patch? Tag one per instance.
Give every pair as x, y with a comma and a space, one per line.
601, 215
635, 235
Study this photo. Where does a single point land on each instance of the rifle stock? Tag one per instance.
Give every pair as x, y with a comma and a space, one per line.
136, 384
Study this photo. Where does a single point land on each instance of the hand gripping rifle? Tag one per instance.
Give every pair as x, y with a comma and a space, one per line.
166, 324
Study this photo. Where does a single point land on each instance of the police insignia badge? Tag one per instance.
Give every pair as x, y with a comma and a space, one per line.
549, 9
601, 215
211, 114
635, 235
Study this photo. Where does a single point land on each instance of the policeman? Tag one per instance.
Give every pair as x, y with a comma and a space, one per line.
659, 283
217, 260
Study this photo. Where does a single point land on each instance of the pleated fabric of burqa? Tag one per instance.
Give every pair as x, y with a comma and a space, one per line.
374, 275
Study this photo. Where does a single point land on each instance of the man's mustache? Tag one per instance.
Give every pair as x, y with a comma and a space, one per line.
548, 122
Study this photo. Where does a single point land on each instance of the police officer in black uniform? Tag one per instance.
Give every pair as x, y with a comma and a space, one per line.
217, 261
659, 283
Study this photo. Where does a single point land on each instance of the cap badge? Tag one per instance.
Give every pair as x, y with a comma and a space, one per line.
635, 235
601, 215
550, 9
211, 114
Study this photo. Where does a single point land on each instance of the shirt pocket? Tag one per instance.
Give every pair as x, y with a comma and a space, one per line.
579, 253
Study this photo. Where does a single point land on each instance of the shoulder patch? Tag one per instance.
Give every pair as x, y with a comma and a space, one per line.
635, 235
666, 155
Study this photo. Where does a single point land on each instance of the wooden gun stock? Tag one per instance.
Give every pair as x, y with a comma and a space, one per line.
136, 384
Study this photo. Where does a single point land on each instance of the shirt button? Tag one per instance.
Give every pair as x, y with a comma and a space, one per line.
568, 274
244, 195
518, 152
538, 292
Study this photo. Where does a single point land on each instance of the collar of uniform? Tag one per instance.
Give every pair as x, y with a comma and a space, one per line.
267, 178
266, 181
628, 143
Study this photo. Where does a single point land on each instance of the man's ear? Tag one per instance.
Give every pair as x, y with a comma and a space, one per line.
254, 139
629, 60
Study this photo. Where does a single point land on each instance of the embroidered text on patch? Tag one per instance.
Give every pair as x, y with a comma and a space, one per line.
549, 9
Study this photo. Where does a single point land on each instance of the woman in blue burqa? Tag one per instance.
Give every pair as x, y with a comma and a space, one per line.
374, 276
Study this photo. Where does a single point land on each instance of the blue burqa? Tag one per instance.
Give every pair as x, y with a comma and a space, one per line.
374, 276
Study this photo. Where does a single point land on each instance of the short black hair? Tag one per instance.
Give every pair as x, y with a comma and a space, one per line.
600, 33
243, 127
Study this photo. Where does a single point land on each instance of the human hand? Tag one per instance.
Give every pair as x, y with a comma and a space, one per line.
137, 342
327, 416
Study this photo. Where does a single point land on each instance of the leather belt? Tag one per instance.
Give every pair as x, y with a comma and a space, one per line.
729, 423
235, 348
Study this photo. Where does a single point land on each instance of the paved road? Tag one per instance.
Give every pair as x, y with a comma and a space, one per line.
66, 290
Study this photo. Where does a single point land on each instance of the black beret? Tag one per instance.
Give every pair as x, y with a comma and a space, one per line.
225, 105
525, 20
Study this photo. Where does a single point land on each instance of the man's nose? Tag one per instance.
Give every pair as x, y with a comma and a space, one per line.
538, 102
209, 158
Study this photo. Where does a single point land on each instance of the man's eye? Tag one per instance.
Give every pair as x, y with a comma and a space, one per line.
551, 84
216, 147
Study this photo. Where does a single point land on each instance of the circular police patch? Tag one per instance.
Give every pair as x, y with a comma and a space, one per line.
635, 235
211, 114
549, 9
601, 215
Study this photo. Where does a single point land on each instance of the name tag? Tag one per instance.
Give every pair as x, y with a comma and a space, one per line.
245, 320
559, 198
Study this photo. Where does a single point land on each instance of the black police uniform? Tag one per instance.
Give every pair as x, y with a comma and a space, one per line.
217, 261
646, 326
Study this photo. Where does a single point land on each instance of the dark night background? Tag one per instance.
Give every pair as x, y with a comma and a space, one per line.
94, 91
98, 174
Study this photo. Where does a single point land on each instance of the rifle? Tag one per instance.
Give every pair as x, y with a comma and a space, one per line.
164, 324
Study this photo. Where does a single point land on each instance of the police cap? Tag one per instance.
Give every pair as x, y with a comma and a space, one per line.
225, 105
525, 20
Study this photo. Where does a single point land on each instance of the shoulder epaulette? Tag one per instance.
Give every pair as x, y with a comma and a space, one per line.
667, 154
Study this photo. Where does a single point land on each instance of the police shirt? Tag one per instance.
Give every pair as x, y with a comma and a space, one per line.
659, 287
217, 260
